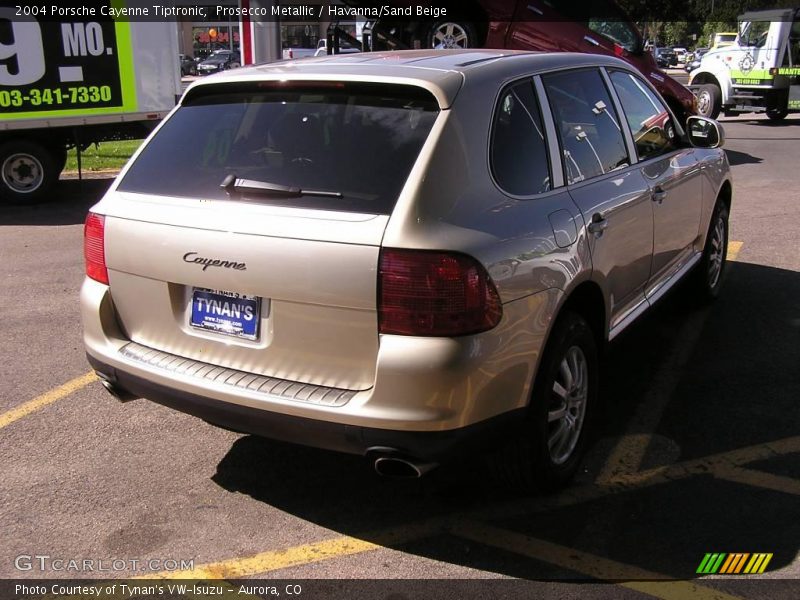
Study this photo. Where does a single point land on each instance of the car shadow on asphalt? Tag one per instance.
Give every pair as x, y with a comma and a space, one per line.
742, 158
66, 204
732, 398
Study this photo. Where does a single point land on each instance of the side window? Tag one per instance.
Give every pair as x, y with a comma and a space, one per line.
648, 118
518, 151
592, 142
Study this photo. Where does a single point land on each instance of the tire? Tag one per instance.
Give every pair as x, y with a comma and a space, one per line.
545, 456
452, 34
777, 114
27, 171
709, 101
710, 271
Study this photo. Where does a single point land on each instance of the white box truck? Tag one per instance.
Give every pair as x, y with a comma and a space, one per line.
71, 77
759, 72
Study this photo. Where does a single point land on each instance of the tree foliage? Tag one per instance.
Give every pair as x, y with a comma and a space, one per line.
691, 22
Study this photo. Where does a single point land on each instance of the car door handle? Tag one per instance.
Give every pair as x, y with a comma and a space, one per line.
659, 194
598, 224
591, 40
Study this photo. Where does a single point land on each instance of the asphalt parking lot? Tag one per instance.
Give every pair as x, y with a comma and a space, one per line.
696, 451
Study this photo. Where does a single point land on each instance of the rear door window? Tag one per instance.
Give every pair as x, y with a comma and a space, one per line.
357, 141
591, 137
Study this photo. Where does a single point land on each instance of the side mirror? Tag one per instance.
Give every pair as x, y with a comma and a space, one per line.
704, 133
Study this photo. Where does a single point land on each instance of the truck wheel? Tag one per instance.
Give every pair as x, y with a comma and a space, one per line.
444, 35
546, 454
777, 114
27, 171
709, 101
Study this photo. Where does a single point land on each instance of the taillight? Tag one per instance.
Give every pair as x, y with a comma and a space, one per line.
94, 248
429, 293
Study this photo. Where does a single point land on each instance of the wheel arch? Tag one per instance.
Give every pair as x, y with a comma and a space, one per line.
707, 77
587, 300
725, 194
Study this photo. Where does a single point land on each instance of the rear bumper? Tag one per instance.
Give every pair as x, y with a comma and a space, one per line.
432, 397
433, 446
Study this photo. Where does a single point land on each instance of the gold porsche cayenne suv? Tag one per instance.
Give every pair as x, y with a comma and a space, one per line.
408, 256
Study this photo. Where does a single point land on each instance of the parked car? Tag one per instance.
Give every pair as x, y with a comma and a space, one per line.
680, 55
697, 56
187, 64
665, 57
539, 25
410, 257
220, 60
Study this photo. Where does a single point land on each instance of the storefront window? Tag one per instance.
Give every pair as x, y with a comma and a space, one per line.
208, 38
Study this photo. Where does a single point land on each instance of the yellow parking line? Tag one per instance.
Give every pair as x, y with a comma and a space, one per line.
733, 249
586, 563
273, 560
47, 398
760, 479
345, 545
629, 452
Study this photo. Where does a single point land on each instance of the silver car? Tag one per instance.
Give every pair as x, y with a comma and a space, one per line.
407, 256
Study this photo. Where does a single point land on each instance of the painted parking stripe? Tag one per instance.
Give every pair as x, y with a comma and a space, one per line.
585, 563
346, 545
755, 478
273, 560
630, 450
733, 249
62, 391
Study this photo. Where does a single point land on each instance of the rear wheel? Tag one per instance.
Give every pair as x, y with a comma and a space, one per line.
777, 114
709, 101
27, 171
549, 450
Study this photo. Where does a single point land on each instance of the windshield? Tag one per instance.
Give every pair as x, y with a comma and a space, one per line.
754, 33
360, 140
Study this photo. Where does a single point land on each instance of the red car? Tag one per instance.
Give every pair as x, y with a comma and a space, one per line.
549, 25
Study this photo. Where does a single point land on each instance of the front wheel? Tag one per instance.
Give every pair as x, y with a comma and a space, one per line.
565, 394
446, 35
709, 101
710, 271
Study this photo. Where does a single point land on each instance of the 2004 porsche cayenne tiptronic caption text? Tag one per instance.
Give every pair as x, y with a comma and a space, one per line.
408, 256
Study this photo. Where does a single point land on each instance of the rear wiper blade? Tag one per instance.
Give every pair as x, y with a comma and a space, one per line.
232, 184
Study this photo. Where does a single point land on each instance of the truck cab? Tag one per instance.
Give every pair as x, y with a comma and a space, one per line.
760, 72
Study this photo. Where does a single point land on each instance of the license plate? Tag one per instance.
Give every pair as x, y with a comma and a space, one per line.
228, 313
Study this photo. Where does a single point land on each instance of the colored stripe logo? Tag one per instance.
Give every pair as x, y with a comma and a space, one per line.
738, 563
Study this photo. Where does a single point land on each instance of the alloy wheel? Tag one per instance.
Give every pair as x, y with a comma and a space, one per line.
567, 410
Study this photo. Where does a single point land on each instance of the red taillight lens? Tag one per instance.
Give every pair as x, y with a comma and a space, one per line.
94, 250
434, 294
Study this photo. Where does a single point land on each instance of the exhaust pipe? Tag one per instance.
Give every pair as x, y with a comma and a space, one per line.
396, 466
119, 393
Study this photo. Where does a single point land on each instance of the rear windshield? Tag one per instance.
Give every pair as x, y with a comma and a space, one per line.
359, 141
